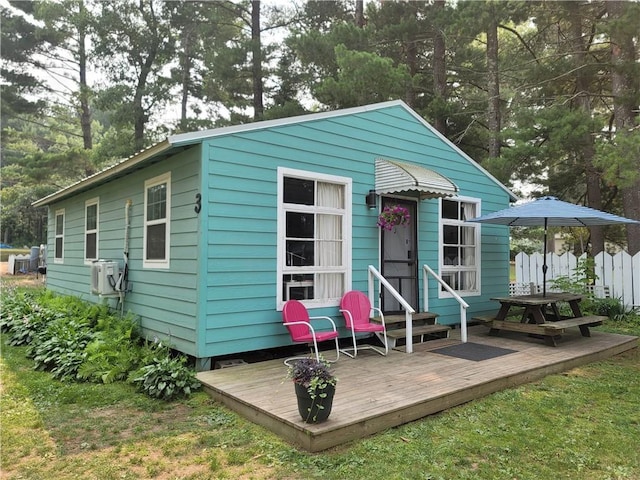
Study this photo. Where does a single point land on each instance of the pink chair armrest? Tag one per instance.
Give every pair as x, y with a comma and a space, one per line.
333, 325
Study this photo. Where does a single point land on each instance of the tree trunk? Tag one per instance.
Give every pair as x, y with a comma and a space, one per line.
493, 86
186, 74
623, 55
583, 103
85, 111
411, 54
256, 45
359, 13
439, 70
412, 63
140, 117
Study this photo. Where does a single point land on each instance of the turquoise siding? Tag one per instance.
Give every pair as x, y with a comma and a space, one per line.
242, 215
219, 295
164, 300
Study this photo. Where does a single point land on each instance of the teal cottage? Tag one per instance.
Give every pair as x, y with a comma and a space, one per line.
205, 235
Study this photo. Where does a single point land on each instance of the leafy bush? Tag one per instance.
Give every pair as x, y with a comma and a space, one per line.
76, 340
611, 307
23, 317
583, 276
61, 347
114, 350
166, 378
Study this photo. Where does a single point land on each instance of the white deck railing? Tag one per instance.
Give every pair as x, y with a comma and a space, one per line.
374, 275
426, 271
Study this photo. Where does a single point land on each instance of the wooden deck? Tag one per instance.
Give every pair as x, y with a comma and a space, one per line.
375, 392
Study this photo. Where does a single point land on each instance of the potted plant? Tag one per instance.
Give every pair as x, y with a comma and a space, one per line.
315, 387
393, 216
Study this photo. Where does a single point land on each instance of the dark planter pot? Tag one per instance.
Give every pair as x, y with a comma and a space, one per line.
314, 410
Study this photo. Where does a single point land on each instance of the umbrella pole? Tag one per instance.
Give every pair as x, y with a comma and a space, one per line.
544, 261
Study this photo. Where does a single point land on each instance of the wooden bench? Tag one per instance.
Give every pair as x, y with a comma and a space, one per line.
550, 331
483, 318
583, 322
514, 312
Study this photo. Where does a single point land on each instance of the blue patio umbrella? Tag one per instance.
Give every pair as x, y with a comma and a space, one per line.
551, 212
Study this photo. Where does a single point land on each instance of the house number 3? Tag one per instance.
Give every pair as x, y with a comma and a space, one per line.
198, 206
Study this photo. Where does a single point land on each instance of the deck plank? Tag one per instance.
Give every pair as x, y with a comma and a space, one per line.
406, 387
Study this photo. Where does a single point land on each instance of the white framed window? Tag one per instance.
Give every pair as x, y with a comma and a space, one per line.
314, 237
91, 223
460, 245
58, 249
157, 221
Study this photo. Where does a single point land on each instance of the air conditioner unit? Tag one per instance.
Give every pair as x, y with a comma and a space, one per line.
104, 274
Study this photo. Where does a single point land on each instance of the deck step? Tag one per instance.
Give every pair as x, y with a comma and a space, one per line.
423, 330
420, 334
425, 317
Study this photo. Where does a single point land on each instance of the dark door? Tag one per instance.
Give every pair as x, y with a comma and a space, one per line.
400, 259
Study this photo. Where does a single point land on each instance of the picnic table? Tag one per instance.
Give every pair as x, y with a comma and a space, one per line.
539, 315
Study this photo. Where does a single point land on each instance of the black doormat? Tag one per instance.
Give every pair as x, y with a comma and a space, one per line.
473, 351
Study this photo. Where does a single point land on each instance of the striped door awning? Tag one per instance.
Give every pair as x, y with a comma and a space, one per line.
393, 176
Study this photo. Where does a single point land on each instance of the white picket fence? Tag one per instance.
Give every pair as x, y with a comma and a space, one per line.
619, 272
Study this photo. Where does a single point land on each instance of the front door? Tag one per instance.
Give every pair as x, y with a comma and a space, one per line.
400, 259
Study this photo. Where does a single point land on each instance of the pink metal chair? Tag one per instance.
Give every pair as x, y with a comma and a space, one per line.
297, 320
356, 309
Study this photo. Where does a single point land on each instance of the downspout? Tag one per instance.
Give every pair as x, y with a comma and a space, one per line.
122, 284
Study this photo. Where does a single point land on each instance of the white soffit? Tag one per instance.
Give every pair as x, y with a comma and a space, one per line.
393, 176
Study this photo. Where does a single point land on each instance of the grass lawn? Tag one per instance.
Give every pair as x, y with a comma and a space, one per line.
584, 424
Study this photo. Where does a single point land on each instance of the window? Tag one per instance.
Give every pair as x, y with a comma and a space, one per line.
459, 241
157, 213
58, 255
314, 246
91, 230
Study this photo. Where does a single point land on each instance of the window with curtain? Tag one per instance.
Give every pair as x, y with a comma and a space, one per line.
314, 261
91, 230
157, 215
58, 255
459, 242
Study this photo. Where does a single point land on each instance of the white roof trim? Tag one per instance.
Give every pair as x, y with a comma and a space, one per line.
185, 139
194, 137
393, 176
512, 196
191, 138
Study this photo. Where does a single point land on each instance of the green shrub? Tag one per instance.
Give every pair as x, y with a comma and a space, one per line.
75, 307
23, 317
60, 348
584, 276
114, 351
611, 307
166, 378
77, 340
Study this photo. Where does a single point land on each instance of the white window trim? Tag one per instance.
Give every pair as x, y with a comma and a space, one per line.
93, 201
57, 259
347, 232
164, 263
462, 293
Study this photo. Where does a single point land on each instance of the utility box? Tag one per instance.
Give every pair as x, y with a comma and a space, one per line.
104, 275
